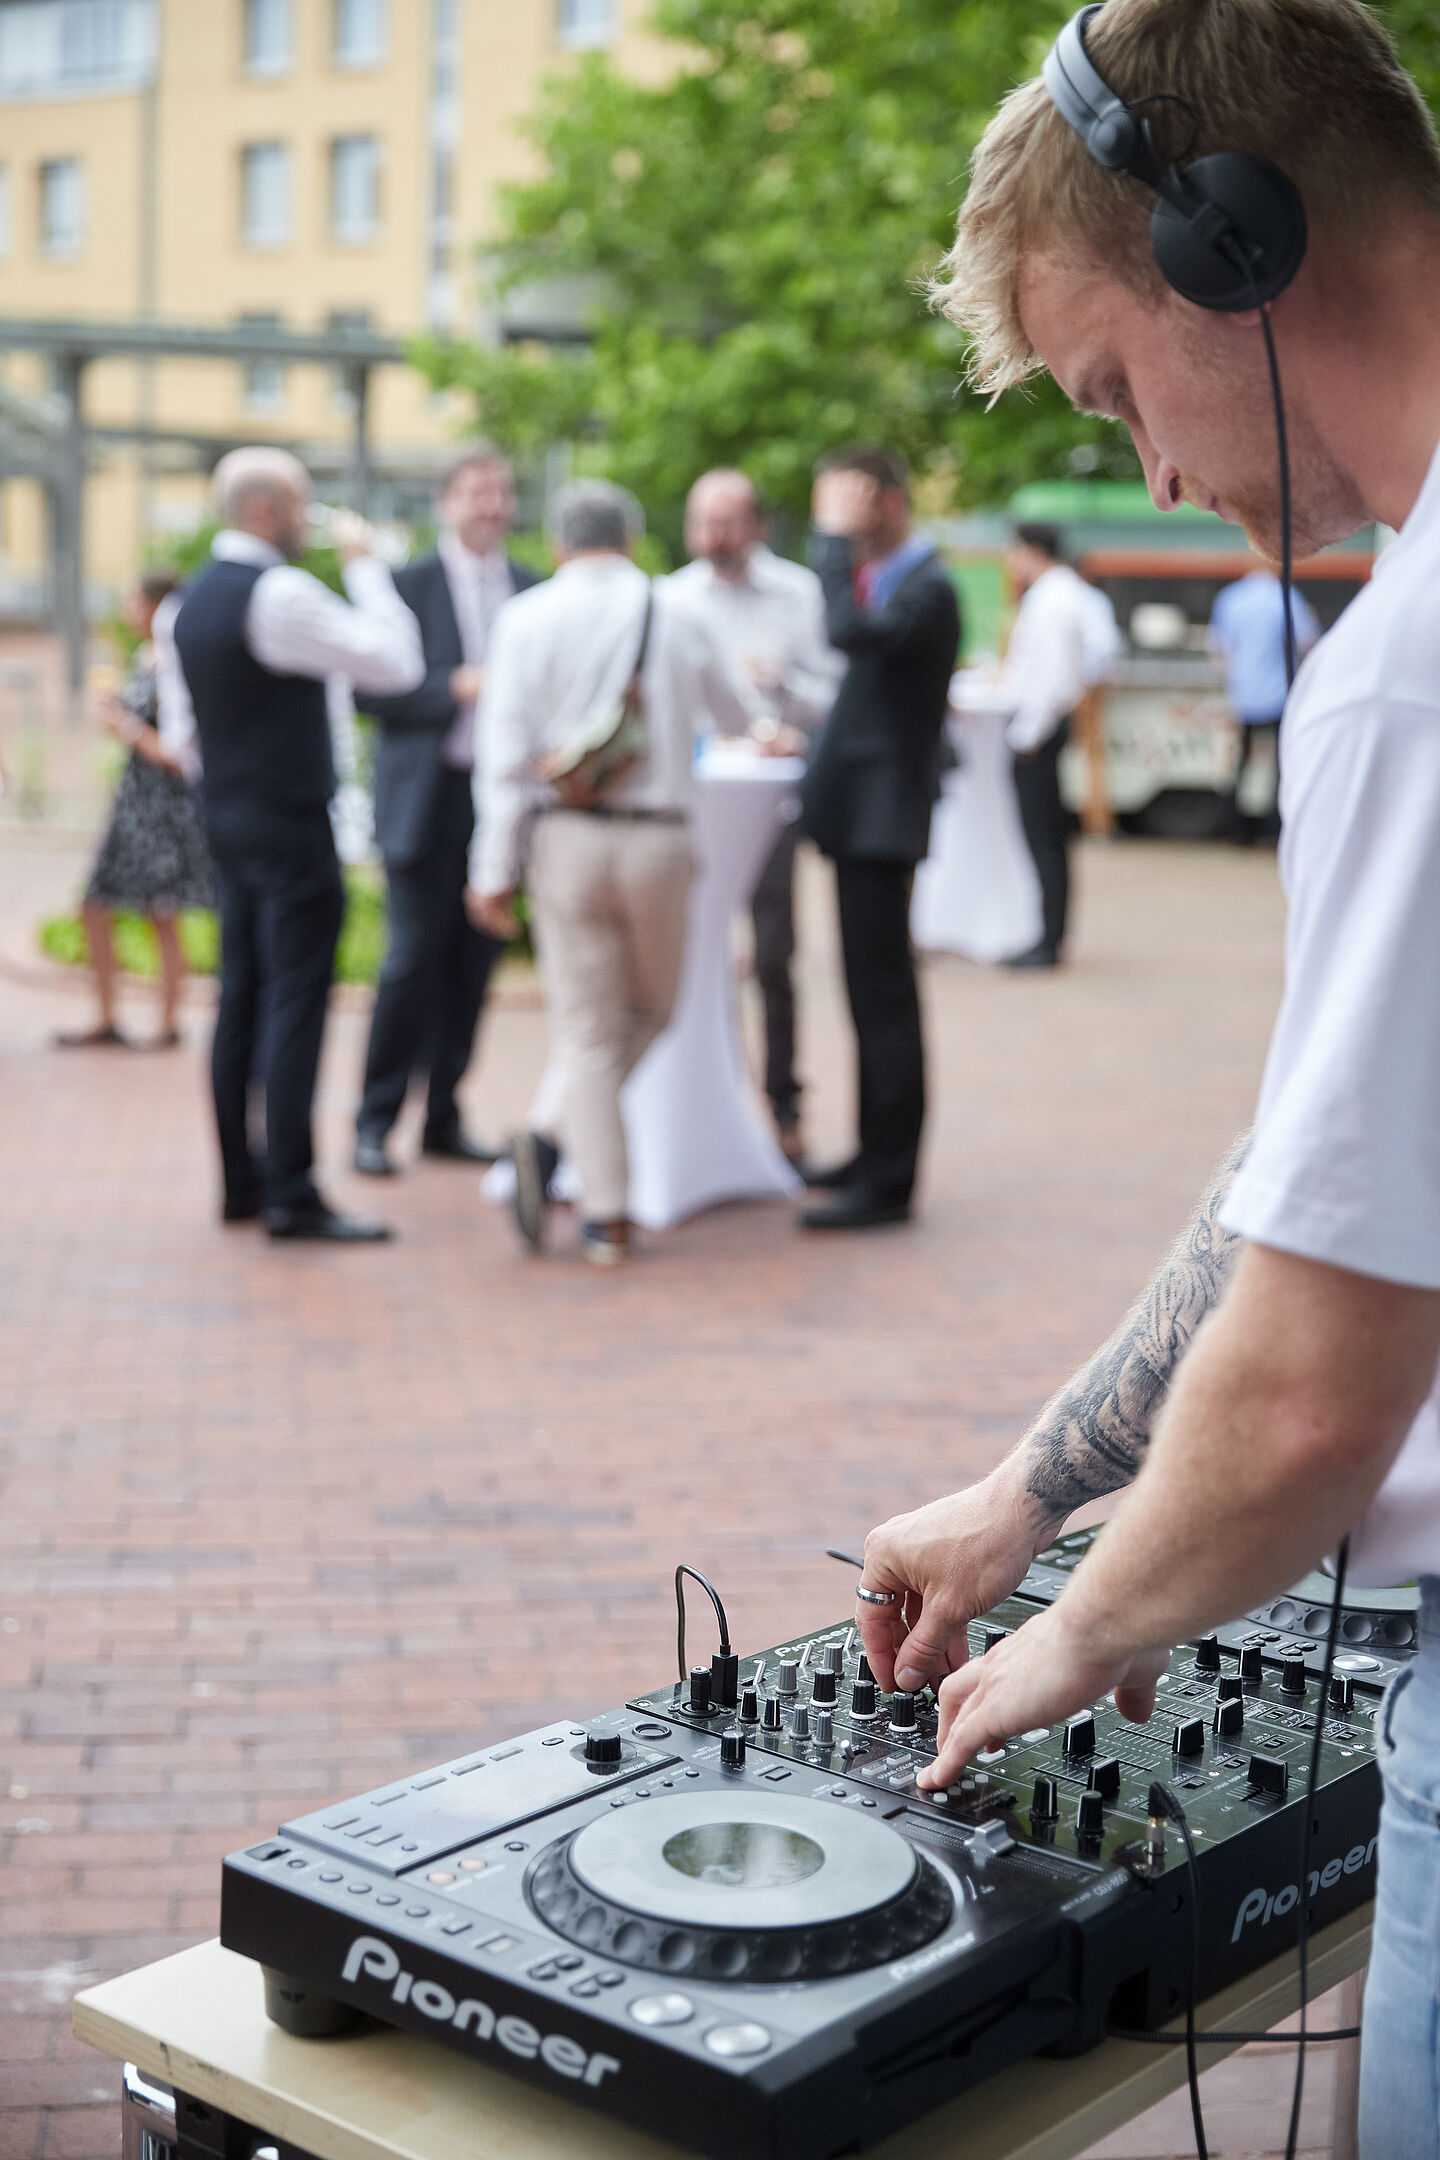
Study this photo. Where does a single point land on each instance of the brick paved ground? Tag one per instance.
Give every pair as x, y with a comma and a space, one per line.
280, 1523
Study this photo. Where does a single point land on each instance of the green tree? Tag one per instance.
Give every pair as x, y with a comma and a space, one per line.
762, 224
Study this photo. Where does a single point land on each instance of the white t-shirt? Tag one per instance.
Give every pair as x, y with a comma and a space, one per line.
1048, 667
1345, 1165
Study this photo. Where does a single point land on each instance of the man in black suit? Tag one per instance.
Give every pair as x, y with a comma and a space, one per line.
437, 964
867, 797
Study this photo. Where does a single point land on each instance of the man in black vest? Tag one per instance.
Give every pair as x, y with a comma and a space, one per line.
872, 782
255, 639
437, 964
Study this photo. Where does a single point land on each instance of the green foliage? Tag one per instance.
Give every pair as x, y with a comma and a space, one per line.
762, 225
189, 552
357, 957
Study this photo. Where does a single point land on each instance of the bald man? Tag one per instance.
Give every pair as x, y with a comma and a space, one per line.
254, 642
769, 618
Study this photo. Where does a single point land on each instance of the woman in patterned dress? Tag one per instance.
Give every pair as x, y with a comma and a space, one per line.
152, 859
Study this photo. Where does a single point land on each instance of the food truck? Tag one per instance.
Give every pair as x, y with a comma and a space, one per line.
1155, 750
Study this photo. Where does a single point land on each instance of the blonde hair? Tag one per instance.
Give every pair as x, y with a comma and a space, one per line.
1313, 85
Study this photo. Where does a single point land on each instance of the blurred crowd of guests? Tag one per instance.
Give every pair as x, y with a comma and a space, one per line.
538, 734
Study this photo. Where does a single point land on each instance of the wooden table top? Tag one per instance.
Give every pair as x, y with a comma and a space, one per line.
198, 2022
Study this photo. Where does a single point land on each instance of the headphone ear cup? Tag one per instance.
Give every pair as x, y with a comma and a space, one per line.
1236, 199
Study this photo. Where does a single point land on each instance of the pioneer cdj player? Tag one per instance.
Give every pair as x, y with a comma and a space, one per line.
725, 1913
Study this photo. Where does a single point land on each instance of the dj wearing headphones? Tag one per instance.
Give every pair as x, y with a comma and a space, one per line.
1201, 204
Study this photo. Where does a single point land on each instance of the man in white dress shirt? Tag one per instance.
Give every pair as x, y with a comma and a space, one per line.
609, 878
769, 615
1048, 668
243, 670
437, 964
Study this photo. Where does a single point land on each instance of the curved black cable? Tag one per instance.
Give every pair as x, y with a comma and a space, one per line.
1239, 2039
1286, 538
831, 1553
714, 1596
1192, 2068
1312, 1786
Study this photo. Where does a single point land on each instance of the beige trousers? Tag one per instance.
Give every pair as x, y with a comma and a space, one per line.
609, 898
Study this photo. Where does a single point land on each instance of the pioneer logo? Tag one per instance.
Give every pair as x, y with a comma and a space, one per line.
1263, 1906
371, 1959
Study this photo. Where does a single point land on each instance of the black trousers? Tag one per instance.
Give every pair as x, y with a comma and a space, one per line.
772, 909
433, 982
277, 883
1042, 816
1246, 825
885, 1006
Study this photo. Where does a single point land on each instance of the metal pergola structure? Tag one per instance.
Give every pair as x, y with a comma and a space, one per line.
48, 438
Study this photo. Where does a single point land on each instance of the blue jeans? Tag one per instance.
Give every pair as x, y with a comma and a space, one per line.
1399, 2069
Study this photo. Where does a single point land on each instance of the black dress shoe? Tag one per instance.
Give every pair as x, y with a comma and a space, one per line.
1039, 956
321, 1225
457, 1147
535, 1160
241, 1207
856, 1209
371, 1159
835, 1179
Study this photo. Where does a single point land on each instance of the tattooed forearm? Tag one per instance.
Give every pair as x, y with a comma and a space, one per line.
1092, 1437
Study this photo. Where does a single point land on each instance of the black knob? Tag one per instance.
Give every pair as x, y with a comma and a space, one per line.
1189, 1737
1045, 1800
832, 1658
725, 1678
1271, 1774
700, 1690
995, 1635
1105, 1776
1293, 1676
1207, 1654
800, 1723
602, 1747
1080, 1735
862, 1668
862, 1699
1342, 1691
902, 1711
771, 1718
732, 1749
825, 1688
1250, 1666
1090, 1815
1229, 1684
1229, 1717
750, 1706
789, 1680
824, 1728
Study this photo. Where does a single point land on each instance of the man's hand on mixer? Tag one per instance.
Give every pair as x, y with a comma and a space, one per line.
1040, 1675
943, 1564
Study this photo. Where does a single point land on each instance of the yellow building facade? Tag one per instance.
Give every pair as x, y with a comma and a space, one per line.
301, 164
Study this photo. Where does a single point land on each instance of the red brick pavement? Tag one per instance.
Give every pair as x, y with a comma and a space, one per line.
279, 1523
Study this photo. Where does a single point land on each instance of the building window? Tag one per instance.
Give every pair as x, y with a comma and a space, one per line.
5, 239
354, 188
342, 398
358, 39
263, 381
269, 37
265, 194
65, 45
62, 207
585, 23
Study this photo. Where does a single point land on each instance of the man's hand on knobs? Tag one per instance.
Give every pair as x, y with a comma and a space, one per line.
945, 1563
1040, 1675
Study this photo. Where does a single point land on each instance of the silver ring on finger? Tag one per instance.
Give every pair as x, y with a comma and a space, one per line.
874, 1597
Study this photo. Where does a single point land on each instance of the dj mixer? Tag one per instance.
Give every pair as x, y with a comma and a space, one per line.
726, 1914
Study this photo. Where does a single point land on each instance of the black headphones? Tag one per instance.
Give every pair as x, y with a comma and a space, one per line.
1228, 231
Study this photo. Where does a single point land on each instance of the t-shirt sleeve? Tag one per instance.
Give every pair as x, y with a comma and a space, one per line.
1345, 1163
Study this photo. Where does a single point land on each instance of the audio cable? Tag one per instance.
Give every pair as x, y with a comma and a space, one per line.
714, 1596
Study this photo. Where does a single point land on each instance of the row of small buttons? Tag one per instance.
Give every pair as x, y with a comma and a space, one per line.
726, 2041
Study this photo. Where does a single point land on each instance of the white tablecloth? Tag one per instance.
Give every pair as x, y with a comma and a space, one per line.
693, 1124
977, 892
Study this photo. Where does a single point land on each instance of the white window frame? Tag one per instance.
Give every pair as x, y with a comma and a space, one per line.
262, 382
369, 55
265, 67
586, 25
254, 234
65, 48
56, 246
345, 229
7, 213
